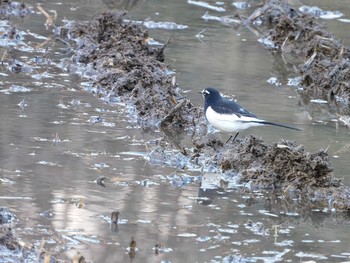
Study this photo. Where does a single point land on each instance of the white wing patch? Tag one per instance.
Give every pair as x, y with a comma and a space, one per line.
230, 122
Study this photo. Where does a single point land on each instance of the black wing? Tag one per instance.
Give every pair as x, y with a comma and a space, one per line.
226, 106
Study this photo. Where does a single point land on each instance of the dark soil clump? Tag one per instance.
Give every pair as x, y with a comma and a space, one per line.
286, 166
325, 65
127, 67
279, 165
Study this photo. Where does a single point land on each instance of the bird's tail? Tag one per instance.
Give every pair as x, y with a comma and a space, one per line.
279, 125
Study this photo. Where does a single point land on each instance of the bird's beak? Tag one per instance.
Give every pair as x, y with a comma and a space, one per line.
201, 92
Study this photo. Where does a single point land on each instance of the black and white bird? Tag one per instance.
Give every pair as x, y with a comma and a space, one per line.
228, 116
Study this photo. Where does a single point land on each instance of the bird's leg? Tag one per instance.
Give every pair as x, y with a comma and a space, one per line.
228, 139
234, 138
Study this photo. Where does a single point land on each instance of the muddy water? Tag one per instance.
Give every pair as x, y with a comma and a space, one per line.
56, 147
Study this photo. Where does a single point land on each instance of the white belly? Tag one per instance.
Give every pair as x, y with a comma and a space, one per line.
230, 122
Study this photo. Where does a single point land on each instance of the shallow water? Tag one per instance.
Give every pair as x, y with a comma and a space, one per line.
54, 149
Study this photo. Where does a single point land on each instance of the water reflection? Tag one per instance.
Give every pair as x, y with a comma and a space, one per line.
120, 4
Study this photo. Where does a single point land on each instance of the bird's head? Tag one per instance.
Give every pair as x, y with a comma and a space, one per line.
210, 93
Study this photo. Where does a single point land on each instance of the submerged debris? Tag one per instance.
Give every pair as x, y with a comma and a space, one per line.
10, 249
132, 248
78, 258
115, 217
11, 8
6, 216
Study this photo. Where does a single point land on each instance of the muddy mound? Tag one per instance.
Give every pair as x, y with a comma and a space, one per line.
284, 167
324, 60
278, 165
127, 66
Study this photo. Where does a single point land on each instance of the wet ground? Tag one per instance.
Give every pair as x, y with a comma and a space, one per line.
69, 159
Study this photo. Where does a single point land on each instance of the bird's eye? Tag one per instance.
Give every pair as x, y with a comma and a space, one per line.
206, 92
